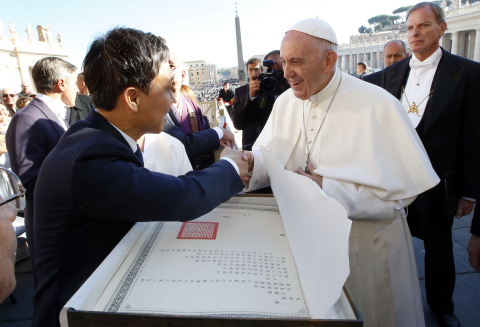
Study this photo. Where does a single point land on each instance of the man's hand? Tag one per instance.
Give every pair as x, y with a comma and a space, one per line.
228, 139
314, 177
473, 249
241, 159
254, 86
464, 208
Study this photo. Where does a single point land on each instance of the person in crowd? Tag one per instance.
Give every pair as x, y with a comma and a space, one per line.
251, 108
9, 98
25, 90
93, 186
82, 87
81, 109
35, 130
225, 96
186, 123
436, 91
339, 132
361, 70
22, 101
393, 51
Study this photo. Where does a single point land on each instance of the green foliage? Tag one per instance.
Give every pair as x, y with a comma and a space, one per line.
394, 18
378, 27
377, 19
369, 30
401, 10
362, 29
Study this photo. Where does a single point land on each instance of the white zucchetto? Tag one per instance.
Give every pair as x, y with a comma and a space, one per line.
315, 27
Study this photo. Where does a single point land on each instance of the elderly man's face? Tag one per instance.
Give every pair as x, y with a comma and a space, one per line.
303, 65
69, 93
394, 52
424, 32
9, 97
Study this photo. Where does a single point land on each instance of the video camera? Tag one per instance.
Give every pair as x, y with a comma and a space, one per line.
273, 83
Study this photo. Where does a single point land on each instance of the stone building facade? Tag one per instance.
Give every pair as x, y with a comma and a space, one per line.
461, 38
200, 73
18, 55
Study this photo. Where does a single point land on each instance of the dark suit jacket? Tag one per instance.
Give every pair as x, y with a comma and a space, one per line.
375, 78
226, 96
250, 116
83, 105
91, 190
196, 144
476, 221
450, 127
33, 132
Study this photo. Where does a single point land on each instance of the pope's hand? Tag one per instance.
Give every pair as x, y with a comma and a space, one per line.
314, 177
464, 207
241, 159
228, 139
473, 249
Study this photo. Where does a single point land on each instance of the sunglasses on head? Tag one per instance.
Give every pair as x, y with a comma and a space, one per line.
6, 95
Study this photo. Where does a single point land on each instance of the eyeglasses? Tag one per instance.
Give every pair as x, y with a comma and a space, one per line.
11, 189
11, 95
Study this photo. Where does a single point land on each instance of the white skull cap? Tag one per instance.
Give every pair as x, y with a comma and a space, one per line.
315, 27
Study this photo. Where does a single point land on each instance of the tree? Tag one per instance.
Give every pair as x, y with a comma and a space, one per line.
362, 29
394, 18
378, 27
377, 19
369, 31
402, 10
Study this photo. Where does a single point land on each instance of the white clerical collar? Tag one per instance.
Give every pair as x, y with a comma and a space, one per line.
430, 62
329, 90
59, 108
131, 142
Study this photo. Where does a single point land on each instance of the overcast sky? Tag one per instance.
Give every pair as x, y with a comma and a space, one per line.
200, 30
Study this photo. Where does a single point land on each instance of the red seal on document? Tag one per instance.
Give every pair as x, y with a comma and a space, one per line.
198, 231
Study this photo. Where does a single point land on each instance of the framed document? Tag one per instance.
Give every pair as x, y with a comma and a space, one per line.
228, 267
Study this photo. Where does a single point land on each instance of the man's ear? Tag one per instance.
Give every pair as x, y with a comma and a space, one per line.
132, 97
61, 84
330, 61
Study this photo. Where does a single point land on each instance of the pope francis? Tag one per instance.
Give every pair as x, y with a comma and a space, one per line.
355, 140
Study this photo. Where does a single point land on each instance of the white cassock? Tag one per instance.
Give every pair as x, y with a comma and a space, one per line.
165, 154
374, 164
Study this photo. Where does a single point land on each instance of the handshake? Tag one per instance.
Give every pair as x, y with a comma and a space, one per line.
243, 159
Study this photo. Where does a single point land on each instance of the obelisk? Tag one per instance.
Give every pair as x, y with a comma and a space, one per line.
241, 68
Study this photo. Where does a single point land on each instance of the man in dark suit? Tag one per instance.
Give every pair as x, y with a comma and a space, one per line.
440, 93
251, 109
35, 130
92, 187
393, 51
225, 95
83, 106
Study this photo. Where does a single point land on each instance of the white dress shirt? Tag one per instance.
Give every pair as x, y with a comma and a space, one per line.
58, 108
419, 83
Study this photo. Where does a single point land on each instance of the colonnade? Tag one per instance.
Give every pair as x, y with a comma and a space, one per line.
348, 62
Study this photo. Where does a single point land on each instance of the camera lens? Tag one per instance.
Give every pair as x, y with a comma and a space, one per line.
269, 86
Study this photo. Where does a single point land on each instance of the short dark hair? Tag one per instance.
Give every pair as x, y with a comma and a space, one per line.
226, 83
47, 71
361, 63
255, 61
121, 58
272, 53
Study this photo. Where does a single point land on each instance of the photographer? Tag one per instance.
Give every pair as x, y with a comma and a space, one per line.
253, 102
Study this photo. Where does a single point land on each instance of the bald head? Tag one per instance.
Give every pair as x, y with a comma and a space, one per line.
393, 52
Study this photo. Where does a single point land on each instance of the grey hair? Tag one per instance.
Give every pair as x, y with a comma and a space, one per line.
323, 46
438, 11
403, 43
47, 71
